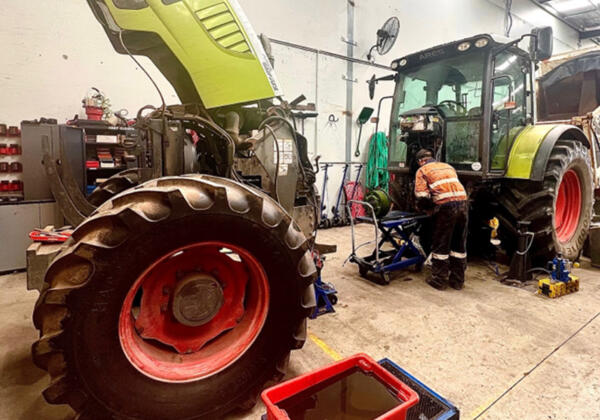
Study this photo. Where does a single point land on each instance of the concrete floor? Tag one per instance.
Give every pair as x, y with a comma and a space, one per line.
470, 346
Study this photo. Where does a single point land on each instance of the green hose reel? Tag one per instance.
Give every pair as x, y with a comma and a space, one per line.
380, 201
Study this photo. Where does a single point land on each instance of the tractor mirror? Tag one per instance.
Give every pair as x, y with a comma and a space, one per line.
365, 114
542, 43
372, 83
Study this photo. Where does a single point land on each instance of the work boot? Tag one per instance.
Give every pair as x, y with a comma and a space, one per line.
437, 285
457, 285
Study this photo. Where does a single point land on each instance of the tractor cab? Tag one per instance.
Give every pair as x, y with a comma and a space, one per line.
466, 101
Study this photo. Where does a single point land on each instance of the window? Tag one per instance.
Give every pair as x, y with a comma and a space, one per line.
453, 84
454, 87
510, 110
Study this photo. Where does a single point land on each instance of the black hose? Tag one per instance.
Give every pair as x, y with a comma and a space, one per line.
539, 269
276, 177
219, 130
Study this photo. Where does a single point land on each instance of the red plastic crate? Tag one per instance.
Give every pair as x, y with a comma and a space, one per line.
272, 396
13, 149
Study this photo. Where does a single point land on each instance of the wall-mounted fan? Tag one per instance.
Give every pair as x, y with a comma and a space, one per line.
386, 37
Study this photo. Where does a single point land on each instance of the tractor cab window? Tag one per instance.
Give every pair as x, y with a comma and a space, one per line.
453, 86
511, 109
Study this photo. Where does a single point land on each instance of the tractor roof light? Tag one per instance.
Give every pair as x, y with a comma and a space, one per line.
464, 46
481, 42
394, 65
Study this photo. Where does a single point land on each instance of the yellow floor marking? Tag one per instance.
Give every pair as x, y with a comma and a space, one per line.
481, 408
330, 352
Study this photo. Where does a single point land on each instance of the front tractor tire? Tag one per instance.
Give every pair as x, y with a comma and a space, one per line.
559, 208
178, 299
113, 186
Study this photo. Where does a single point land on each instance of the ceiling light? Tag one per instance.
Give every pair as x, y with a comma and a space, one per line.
570, 6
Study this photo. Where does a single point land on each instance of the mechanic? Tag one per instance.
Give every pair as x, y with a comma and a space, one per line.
440, 193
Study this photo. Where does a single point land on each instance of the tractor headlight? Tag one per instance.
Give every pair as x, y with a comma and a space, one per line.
130, 4
481, 42
394, 65
464, 46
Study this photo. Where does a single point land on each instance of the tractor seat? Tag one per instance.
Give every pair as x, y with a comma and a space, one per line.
474, 111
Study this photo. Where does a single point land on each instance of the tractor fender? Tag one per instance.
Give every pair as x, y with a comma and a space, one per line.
559, 132
533, 146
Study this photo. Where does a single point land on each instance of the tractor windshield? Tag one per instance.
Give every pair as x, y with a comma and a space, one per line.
454, 84
454, 87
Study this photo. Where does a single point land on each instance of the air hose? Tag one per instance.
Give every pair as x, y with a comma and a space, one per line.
378, 176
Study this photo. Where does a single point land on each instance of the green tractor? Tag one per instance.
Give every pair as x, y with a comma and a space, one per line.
473, 103
189, 277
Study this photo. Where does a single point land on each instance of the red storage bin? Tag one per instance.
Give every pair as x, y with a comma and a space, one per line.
312, 380
4, 186
3, 149
14, 149
14, 167
14, 131
16, 186
4, 167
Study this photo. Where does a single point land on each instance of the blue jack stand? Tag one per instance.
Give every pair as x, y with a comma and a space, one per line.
325, 293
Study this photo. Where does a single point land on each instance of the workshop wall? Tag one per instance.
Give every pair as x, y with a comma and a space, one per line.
55, 50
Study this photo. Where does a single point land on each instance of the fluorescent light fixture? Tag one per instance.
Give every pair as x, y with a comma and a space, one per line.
503, 66
568, 6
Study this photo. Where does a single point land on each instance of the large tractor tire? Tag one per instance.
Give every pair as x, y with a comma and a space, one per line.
114, 185
178, 299
559, 208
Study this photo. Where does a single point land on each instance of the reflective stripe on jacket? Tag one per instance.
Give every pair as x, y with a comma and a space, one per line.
439, 181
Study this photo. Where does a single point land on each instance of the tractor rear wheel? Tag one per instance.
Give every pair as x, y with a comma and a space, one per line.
178, 299
114, 185
559, 208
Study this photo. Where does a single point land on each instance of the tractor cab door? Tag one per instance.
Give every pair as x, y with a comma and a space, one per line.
512, 104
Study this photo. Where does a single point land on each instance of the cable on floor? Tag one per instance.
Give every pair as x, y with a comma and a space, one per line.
536, 366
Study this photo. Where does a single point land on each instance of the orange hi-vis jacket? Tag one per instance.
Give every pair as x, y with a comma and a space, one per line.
439, 181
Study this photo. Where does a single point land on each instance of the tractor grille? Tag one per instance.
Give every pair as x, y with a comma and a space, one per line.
220, 23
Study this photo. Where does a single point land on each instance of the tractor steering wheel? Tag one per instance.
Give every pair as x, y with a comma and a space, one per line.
455, 107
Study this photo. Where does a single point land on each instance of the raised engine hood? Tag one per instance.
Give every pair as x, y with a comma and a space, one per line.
205, 48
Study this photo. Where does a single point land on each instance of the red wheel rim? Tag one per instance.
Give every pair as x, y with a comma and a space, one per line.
151, 331
568, 206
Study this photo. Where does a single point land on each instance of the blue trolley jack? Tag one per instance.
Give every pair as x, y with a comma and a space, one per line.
325, 293
395, 229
